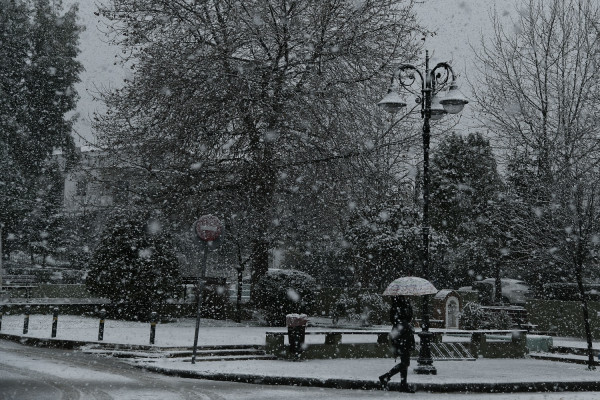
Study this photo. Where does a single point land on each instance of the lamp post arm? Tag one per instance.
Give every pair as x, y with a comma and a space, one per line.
407, 83
407, 80
449, 73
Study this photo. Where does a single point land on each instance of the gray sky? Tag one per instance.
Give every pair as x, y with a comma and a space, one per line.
458, 24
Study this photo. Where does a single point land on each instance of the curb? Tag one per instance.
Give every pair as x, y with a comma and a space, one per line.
580, 361
516, 387
43, 342
69, 344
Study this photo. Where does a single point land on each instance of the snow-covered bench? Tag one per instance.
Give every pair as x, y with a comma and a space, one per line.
487, 343
332, 347
332, 337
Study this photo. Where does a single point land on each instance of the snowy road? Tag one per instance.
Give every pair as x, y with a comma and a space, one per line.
41, 373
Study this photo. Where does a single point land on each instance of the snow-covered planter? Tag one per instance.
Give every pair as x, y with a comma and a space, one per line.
284, 291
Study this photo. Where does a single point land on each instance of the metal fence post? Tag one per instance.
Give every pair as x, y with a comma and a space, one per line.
101, 326
1, 311
54, 321
153, 320
26, 320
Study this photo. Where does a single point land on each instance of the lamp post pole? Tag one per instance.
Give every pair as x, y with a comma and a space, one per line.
208, 228
432, 107
425, 362
1, 256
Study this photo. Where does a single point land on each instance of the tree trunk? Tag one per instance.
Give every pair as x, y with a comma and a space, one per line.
586, 317
260, 261
262, 191
498, 286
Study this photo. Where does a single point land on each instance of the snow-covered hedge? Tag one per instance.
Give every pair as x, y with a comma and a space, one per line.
368, 308
474, 316
284, 291
134, 265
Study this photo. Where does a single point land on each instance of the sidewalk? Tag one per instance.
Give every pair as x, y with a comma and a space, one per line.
482, 375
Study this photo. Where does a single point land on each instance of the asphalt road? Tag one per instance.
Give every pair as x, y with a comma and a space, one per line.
47, 374
42, 373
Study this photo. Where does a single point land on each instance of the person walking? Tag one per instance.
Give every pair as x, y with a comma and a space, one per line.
402, 338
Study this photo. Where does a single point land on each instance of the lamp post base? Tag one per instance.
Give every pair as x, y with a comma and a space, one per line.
425, 362
425, 370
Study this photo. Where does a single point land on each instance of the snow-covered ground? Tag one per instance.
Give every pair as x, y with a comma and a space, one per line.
173, 334
69, 376
181, 333
480, 371
176, 334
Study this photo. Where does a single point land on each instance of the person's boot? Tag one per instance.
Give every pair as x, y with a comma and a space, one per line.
404, 387
384, 380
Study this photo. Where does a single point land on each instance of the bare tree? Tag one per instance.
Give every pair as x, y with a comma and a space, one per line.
538, 93
250, 107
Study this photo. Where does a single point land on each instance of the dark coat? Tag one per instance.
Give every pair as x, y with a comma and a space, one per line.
402, 335
402, 338
400, 313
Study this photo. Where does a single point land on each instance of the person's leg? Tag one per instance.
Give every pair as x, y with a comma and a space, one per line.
385, 378
403, 368
403, 374
395, 369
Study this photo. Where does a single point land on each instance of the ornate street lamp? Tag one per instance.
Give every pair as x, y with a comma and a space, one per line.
433, 107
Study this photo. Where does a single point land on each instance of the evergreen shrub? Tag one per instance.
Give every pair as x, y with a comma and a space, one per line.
368, 308
284, 291
472, 316
134, 266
